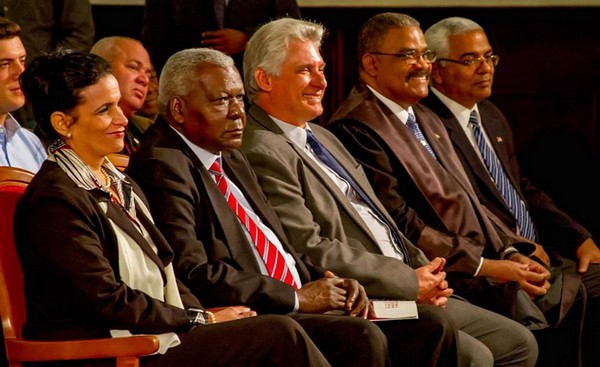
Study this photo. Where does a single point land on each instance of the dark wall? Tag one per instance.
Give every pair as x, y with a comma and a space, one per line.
547, 83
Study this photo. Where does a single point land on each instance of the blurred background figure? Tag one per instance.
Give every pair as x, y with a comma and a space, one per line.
225, 25
48, 25
145, 116
131, 66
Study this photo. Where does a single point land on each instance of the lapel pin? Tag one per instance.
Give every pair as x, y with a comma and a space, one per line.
499, 139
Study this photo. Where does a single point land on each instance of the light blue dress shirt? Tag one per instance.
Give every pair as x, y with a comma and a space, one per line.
20, 147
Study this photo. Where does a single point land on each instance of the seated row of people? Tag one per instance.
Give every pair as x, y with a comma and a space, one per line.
274, 227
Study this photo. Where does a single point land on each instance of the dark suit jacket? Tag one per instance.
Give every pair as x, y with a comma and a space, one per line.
402, 172
213, 255
554, 227
68, 251
173, 25
318, 218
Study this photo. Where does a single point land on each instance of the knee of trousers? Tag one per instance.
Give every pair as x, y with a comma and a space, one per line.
438, 321
472, 352
366, 331
281, 328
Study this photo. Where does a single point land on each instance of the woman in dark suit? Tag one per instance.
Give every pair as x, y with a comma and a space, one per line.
94, 264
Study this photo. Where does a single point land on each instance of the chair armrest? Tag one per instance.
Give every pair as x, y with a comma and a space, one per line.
29, 350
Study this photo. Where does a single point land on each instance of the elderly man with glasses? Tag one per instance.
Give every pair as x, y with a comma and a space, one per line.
409, 158
461, 82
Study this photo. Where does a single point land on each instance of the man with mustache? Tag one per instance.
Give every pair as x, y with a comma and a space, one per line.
409, 158
20, 147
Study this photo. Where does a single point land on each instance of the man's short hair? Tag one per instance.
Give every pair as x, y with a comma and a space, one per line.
373, 31
180, 73
9, 29
267, 48
438, 34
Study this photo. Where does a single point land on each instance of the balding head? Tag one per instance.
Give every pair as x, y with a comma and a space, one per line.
131, 66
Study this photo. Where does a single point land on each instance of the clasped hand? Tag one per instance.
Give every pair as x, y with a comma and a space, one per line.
433, 287
332, 293
531, 276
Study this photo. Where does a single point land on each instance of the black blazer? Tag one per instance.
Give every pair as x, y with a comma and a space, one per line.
212, 253
69, 255
554, 227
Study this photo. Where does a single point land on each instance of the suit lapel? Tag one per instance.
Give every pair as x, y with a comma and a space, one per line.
263, 119
339, 196
497, 136
223, 217
463, 146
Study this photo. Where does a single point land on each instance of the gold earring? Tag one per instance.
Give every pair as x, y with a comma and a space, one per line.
68, 135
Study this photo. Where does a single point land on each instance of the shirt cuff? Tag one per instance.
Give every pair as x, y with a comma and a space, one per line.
478, 267
296, 302
511, 250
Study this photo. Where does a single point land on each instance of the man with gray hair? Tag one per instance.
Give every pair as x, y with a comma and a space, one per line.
207, 202
327, 207
132, 67
461, 82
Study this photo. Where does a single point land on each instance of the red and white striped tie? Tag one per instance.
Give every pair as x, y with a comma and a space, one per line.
273, 258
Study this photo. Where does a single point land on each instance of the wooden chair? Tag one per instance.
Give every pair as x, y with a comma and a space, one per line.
126, 351
13, 176
119, 160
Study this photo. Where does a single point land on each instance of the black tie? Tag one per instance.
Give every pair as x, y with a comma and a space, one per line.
325, 156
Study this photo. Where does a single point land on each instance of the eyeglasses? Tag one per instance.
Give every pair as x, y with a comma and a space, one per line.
411, 57
489, 59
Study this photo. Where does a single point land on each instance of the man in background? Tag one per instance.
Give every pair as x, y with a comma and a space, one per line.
131, 66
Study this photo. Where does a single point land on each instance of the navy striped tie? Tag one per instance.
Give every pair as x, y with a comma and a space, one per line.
329, 160
510, 195
411, 123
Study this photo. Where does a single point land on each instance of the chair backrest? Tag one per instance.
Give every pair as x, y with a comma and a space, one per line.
13, 182
13, 176
119, 160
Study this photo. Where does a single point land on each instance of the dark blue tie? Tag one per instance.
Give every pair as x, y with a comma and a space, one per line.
510, 195
328, 159
411, 123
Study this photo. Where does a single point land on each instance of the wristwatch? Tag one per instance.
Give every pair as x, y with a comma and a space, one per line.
198, 316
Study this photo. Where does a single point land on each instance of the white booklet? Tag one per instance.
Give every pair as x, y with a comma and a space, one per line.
385, 309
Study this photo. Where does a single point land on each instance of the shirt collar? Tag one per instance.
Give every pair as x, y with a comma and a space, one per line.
11, 125
396, 109
294, 133
459, 111
207, 158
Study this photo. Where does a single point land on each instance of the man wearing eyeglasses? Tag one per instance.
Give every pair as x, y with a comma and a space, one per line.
409, 158
461, 82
